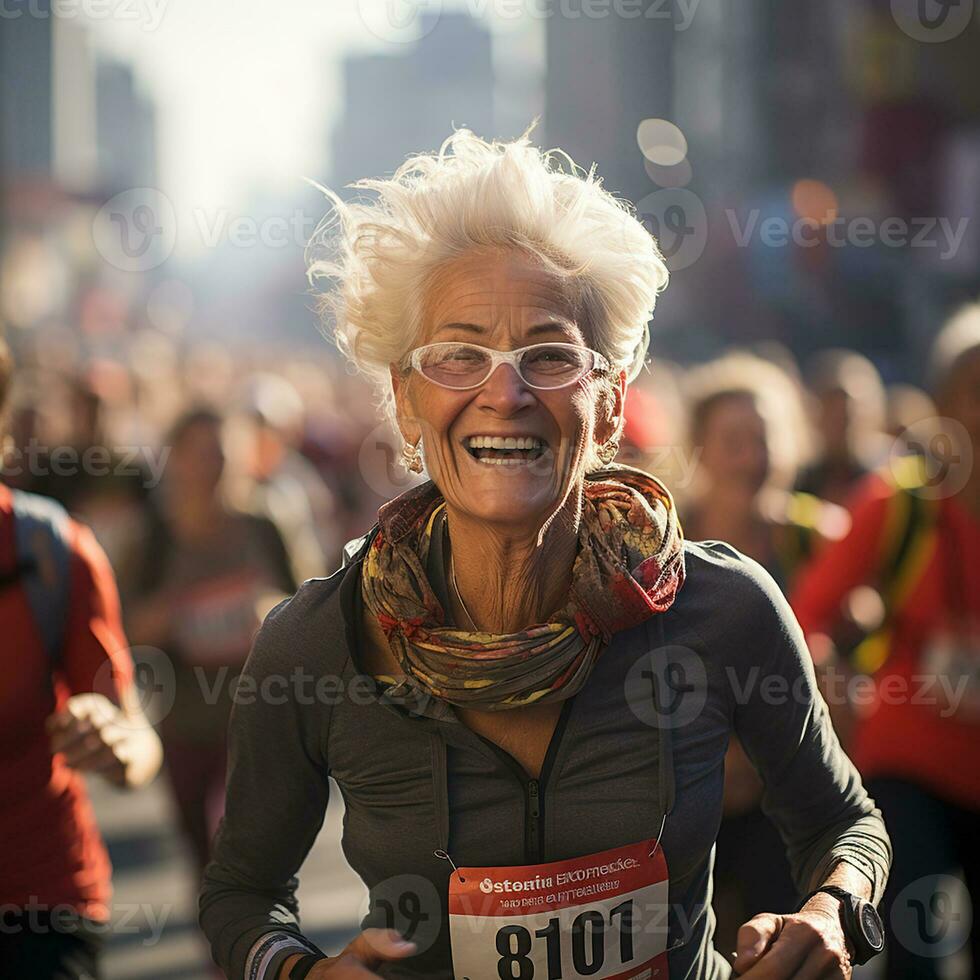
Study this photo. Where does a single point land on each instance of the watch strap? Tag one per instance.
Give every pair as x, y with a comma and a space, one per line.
304, 964
850, 911
837, 892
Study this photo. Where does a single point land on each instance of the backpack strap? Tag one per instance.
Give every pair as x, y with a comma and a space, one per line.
797, 537
906, 547
43, 554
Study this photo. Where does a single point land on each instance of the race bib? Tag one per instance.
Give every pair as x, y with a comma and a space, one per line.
602, 916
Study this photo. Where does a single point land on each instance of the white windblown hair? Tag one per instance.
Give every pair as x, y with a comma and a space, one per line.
377, 255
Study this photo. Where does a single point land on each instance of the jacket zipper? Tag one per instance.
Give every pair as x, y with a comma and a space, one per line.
532, 843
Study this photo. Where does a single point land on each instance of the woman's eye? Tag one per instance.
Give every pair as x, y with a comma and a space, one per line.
465, 357
551, 355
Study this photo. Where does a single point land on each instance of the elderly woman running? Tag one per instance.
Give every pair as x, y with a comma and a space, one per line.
523, 679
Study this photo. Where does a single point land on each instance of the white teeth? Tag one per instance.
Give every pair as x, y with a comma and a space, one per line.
497, 461
503, 442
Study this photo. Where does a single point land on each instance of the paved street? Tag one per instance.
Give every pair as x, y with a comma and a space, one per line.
155, 935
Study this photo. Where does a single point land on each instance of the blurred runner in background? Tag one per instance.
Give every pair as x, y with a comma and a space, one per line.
849, 416
278, 482
203, 577
67, 705
747, 420
915, 539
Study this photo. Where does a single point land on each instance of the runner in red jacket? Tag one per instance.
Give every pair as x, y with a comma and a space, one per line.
60, 715
916, 724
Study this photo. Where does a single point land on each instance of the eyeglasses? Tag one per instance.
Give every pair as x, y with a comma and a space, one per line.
462, 366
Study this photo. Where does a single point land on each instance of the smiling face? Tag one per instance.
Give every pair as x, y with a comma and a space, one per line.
504, 300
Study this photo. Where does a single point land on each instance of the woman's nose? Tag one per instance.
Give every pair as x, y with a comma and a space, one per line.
505, 391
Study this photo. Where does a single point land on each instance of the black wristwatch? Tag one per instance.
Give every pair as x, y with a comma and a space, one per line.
860, 920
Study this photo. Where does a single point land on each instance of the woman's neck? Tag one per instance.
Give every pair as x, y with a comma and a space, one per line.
506, 580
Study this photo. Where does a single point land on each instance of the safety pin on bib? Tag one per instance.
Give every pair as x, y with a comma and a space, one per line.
656, 843
444, 855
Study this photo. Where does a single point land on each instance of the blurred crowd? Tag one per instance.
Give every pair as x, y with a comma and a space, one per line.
215, 480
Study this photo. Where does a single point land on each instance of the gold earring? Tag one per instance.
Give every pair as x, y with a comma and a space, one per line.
608, 451
412, 457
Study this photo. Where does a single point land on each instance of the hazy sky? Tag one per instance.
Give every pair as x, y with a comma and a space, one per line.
247, 90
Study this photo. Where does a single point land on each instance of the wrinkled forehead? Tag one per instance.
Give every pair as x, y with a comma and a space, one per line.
501, 297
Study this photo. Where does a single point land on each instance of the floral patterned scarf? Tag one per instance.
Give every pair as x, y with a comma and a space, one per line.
629, 565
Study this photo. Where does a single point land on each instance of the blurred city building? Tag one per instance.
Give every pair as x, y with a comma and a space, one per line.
402, 102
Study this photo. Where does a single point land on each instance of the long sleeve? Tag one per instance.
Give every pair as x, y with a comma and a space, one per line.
813, 792
276, 801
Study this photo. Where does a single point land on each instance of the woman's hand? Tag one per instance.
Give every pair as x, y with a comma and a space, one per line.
809, 945
368, 950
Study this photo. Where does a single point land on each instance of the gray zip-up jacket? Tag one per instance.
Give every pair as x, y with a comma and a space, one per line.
645, 737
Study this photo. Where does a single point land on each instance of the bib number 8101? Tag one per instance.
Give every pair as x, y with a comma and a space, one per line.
588, 944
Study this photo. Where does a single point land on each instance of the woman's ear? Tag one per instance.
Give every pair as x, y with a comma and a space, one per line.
405, 415
610, 420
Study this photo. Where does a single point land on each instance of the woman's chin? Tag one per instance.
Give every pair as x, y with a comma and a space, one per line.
509, 495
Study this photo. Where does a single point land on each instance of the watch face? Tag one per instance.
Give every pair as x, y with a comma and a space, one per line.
871, 926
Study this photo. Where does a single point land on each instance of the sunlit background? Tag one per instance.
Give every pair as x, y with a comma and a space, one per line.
812, 170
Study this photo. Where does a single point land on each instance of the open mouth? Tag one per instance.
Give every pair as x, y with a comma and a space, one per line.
505, 450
